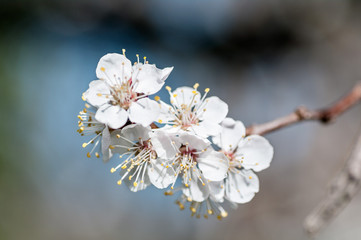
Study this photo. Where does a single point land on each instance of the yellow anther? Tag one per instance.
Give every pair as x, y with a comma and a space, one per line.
99, 94
219, 217
118, 136
130, 178
119, 182
168, 88
123, 50
181, 206
257, 164
250, 177
84, 145
206, 90
87, 105
160, 120
88, 155
210, 212
102, 69
135, 184
189, 199
97, 155
167, 166
83, 98
175, 95
193, 209
124, 166
111, 147
194, 92
112, 170
157, 98
205, 216
195, 86
168, 193
224, 214
203, 184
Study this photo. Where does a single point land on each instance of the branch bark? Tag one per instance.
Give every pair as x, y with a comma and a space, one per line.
301, 114
342, 190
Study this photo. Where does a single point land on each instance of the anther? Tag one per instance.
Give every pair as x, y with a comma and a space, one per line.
112, 170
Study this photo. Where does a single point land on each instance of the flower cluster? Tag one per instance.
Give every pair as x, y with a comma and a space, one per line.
188, 145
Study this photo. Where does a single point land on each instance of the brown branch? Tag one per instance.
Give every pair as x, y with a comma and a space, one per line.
347, 183
302, 114
342, 190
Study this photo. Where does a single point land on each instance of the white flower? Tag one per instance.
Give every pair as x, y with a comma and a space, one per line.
121, 93
245, 154
141, 166
197, 163
88, 125
189, 112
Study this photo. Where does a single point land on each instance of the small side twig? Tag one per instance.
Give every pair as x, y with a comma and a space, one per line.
303, 114
341, 191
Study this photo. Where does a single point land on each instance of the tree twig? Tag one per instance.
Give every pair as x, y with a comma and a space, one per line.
303, 114
342, 190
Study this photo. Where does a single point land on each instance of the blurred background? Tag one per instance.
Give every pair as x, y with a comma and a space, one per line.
263, 57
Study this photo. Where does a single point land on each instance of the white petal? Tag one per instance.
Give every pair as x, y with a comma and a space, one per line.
160, 176
96, 93
241, 187
216, 191
116, 141
148, 79
164, 143
114, 68
140, 185
257, 152
231, 134
196, 190
165, 73
214, 110
113, 116
186, 95
194, 141
106, 141
144, 111
166, 113
214, 165
135, 131
206, 128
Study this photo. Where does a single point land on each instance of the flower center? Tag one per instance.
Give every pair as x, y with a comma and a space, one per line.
123, 95
185, 117
139, 157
